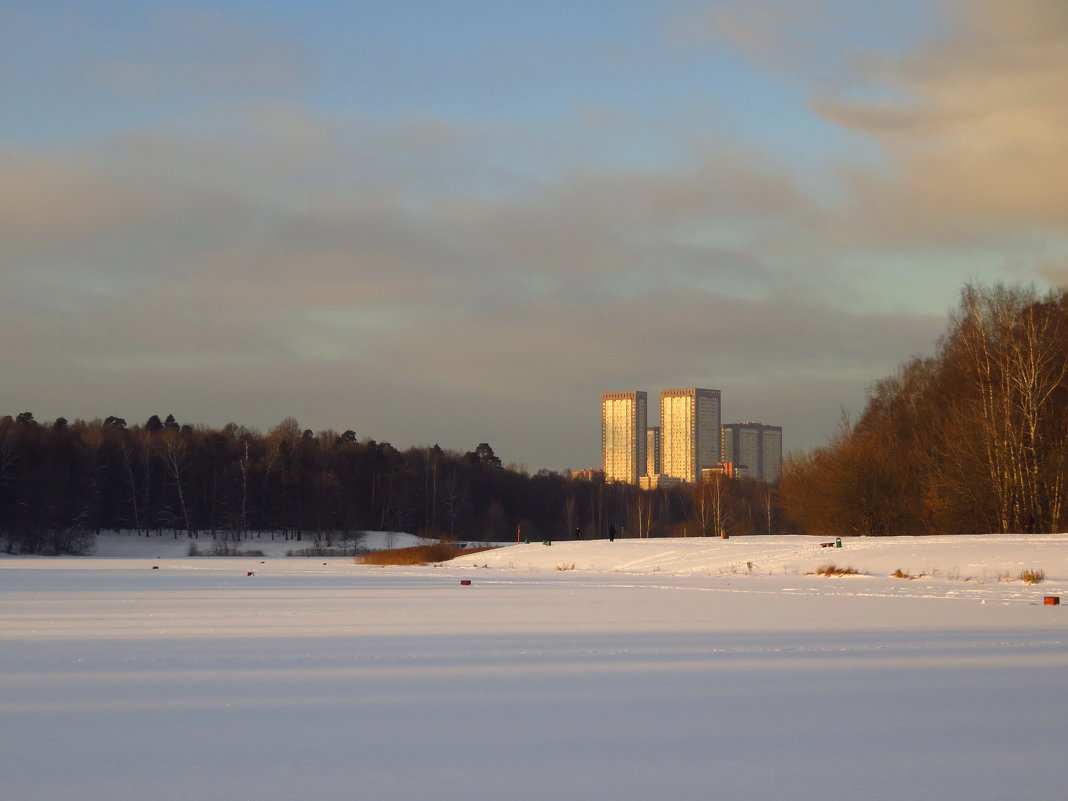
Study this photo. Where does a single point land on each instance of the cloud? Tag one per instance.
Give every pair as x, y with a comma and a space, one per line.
803, 42
955, 119
257, 271
422, 279
971, 122
45, 197
773, 33
1055, 270
182, 51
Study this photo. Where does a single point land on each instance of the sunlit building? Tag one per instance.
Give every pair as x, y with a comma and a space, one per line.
725, 469
657, 481
623, 435
755, 449
591, 474
689, 432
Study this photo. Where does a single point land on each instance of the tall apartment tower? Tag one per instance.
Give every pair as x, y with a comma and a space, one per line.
755, 449
624, 418
652, 451
689, 432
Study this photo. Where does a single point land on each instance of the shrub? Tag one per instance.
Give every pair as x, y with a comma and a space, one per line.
899, 573
1032, 576
416, 555
220, 548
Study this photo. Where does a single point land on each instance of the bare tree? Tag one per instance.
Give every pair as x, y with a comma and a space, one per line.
127, 453
175, 452
570, 516
1014, 345
244, 462
453, 499
767, 502
641, 511
9, 455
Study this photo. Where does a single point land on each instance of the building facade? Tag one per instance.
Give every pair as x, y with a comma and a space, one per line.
624, 417
689, 432
755, 449
771, 458
657, 481
652, 450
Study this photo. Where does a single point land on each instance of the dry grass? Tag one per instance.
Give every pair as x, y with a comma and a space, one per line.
416, 555
1032, 576
902, 574
831, 569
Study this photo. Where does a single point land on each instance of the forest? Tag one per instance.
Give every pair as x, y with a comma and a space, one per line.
63, 481
971, 440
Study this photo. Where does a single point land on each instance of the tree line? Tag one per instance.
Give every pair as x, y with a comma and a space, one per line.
971, 440
63, 481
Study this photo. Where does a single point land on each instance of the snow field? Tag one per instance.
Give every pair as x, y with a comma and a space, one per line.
649, 671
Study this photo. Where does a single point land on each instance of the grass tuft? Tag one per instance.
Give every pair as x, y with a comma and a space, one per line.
902, 574
831, 569
1032, 576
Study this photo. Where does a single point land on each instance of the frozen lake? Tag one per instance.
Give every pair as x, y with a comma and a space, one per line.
631, 676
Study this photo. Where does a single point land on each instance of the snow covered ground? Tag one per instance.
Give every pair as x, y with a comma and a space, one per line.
639, 669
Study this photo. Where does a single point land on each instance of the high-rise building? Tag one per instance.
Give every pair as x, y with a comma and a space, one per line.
624, 418
689, 432
771, 459
755, 449
652, 451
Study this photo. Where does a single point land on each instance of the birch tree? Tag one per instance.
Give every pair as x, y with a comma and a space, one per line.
1016, 347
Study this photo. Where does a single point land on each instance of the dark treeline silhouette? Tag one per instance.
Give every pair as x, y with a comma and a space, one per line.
61, 482
973, 440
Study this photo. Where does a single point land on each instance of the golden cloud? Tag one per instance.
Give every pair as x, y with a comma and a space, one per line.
972, 123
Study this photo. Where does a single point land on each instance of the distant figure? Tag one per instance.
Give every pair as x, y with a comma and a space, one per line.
612, 533
578, 533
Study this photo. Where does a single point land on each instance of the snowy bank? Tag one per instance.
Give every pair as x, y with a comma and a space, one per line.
651, 669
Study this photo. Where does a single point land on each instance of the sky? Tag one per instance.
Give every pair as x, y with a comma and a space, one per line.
460, 222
